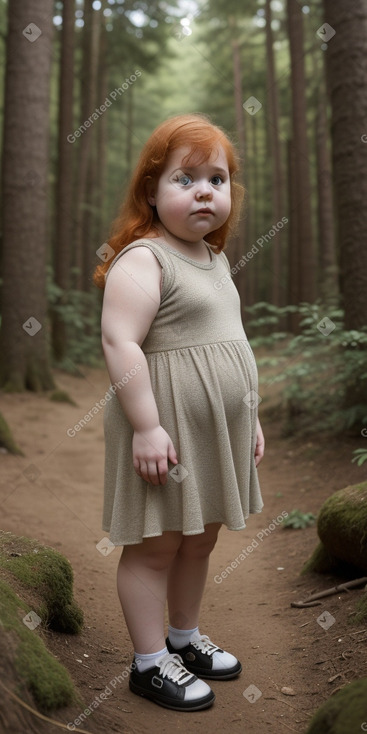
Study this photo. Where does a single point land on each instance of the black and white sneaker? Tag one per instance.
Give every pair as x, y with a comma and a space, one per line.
171, 685
206, 660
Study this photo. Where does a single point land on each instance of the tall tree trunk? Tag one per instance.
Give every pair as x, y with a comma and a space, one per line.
306, 271
346, 61
89, 94
129, 132
24, 355
293, 252
102, 135
238, 102
64, 188
277, 173
90, 218
249, 271
328, 272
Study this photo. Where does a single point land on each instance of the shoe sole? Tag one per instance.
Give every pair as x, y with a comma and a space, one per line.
204, 703
209, 675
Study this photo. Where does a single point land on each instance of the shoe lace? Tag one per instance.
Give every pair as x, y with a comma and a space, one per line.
204, 644
171, 666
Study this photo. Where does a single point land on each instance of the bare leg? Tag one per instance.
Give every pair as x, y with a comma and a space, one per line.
142, 589
187, 577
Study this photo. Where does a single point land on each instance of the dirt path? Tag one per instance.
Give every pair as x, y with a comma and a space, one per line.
246, 609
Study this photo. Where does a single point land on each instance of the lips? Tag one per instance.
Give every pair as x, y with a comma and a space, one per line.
204, 210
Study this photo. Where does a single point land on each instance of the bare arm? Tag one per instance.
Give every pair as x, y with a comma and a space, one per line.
131, 302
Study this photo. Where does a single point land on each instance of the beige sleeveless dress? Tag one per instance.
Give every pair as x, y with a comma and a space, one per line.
204, 380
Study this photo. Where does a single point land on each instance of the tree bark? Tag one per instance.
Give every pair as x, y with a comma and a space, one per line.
293, 253
102, 135
328, 271
64, 187
89, 94
277, 172
346, 60
306, 276
238, 102
24, 354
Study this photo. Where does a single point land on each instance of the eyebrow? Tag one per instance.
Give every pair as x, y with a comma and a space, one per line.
215, 168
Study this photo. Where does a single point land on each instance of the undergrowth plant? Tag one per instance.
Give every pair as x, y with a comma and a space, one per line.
323, 367
81, 313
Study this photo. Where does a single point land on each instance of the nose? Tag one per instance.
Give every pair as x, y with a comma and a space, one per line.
204, 190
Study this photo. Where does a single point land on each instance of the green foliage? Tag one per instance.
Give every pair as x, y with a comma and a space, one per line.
297, 520
323, 368
360, 457
81, 314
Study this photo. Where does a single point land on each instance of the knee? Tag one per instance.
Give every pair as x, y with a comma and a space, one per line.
197, 546
154, 556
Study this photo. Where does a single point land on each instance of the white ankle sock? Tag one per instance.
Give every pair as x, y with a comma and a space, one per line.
181, 638
144, 662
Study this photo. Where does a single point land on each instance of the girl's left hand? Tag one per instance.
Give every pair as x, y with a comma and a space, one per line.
260, 444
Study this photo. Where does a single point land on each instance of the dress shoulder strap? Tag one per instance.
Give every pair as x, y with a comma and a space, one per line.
162, 256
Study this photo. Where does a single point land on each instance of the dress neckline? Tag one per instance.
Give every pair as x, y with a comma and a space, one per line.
204, 266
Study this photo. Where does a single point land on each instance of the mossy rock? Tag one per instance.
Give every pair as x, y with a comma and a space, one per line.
322, 561
342, 528
343, 713
24, 651
45, 578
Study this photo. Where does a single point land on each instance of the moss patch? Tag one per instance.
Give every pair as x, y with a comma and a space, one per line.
45, 678
61, 396
45, 578
361, 611
342, 525
321, 561
6, 438
343, 713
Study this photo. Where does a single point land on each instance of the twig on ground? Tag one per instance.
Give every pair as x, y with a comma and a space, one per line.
312, 600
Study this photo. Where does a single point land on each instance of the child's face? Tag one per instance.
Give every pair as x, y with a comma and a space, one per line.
193, 200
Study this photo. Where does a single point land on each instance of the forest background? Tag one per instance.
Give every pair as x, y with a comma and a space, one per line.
85, 83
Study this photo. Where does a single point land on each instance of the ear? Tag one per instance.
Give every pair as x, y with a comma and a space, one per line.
150, 189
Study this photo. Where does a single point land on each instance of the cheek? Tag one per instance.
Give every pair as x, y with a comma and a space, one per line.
225, 206
173, 205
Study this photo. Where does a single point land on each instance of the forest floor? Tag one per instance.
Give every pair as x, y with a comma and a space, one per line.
59, 502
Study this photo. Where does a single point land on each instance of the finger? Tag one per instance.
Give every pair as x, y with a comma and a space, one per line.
172, 454
144, 471
162, 470
153, 473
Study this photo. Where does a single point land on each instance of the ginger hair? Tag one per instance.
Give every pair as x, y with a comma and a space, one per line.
137, 218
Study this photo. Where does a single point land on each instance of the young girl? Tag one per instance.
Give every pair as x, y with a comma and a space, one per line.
182, 436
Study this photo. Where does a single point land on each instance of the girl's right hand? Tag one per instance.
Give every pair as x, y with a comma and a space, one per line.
151, 451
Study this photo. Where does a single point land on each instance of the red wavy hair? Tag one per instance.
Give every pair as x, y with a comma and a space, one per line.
137, 218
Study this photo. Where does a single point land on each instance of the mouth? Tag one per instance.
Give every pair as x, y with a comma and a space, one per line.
204, 210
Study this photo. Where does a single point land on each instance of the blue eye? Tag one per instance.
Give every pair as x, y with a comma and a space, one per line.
217, 180
184, 180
